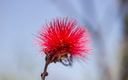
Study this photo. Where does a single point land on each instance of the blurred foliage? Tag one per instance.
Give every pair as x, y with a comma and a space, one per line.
124, 1
124, 62
126, 22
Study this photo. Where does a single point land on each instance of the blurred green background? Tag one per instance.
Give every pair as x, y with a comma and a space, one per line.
107, 21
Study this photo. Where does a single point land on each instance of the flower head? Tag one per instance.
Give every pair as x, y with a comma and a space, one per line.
63, 39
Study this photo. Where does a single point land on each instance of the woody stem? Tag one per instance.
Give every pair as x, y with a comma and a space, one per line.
44, 74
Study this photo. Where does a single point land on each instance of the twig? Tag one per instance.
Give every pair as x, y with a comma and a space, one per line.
44, 74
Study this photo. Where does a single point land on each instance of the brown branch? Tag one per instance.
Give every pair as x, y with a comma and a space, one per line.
44, 74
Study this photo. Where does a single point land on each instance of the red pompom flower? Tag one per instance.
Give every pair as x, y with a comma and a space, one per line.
63, 39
